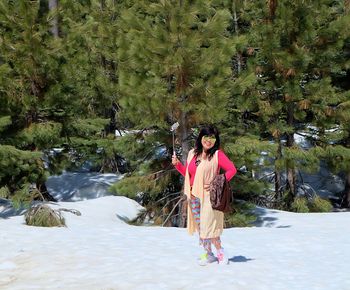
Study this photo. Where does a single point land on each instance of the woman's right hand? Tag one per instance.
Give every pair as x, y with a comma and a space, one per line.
174, 160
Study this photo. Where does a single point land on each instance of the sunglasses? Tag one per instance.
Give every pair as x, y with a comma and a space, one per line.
210, 138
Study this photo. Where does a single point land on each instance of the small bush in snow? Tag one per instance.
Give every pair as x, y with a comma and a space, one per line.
242, 215
319, 204
44, 216
300, 204
239, 220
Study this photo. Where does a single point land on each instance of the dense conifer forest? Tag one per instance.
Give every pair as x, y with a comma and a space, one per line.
104, 80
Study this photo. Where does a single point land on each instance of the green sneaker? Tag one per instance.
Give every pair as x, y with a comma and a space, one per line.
206, 259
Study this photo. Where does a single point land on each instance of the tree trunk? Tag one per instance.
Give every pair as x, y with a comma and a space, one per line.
272, 9
278, 182
347, 6
290, 168
290, 143
346, 193
183, 213
235, 21
45, 193
291, 178
53, 5
103, 4
184, 134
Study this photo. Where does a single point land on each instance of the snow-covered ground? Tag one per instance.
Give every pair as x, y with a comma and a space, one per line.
98, 250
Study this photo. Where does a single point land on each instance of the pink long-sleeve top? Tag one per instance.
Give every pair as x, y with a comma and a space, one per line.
224, 163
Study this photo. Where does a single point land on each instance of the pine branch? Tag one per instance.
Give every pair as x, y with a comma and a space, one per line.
175, 206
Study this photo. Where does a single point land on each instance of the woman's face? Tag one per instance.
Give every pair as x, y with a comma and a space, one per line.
208, 141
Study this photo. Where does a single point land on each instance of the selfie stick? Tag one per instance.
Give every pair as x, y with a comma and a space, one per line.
173, 128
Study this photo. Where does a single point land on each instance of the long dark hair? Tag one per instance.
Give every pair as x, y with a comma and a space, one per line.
207, 131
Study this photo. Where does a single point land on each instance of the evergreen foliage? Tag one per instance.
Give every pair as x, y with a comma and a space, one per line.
55, 89
174, 65
151, 175
175, 57
262, 71
300, 204
241, 215
19, 169
319, 204
315, 204
294, 52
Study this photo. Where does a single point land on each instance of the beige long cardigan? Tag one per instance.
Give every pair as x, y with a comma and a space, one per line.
211, 221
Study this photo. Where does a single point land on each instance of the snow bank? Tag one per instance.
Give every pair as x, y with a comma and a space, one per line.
97, 250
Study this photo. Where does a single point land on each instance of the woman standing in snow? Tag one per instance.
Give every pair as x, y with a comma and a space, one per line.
203, 164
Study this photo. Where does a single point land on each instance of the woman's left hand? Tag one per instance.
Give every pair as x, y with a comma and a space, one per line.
206, 186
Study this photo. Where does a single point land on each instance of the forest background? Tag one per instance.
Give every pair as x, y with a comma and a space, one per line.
104, 80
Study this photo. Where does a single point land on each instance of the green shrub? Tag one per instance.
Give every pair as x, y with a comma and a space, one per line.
4, 192
44, 216
239, 220
241, 216
319, 204
300, 204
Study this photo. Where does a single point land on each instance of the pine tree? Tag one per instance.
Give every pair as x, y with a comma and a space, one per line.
174, 65
86, 93
54, 89
334, 132
240, 133
26, 72
287, 85
175, 58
